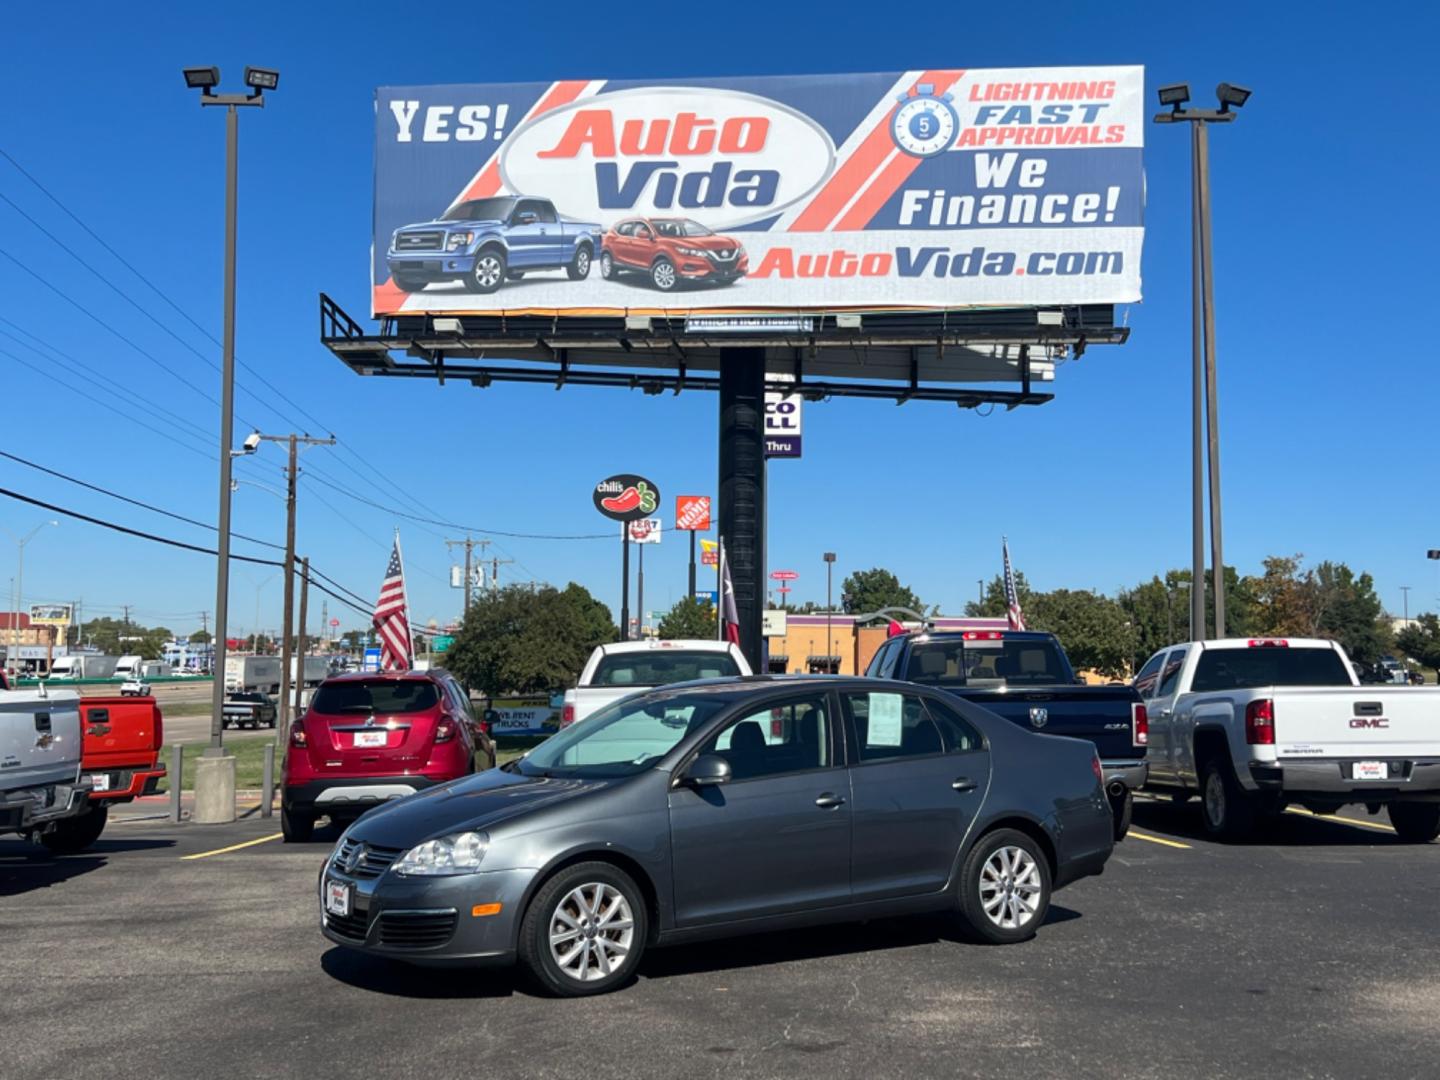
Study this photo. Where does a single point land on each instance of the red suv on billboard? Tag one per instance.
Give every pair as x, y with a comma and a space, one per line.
669, 251
369, 737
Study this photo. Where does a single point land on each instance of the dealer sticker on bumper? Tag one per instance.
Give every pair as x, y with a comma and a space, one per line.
337, 898
100, 781
1372, 770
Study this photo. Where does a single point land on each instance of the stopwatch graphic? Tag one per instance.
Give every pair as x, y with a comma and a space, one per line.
925, 125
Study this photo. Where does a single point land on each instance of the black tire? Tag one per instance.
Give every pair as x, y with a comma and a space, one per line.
295, 826
664, 276
1227, 809
982, 884
407, 283
608, 269
491, 266
1415, 823
579, 268
536, 955
77, 833
1121, 811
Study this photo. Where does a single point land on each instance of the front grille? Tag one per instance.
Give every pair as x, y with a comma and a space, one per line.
371, 862
352, 926
416, 930
725, 256
419, 241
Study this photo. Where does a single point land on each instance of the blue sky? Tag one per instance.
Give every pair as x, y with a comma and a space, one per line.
1323, 264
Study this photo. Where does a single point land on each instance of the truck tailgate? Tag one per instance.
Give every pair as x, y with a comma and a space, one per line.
1100, 714
1363, 722
39, 739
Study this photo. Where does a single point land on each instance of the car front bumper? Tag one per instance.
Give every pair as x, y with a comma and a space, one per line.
435, 265
429, 920
1332, 779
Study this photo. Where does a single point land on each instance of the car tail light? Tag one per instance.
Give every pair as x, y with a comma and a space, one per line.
1095, 767
444, 731
1260, 722
1268, 643
1139, 725
983, 635
298, 738
567, 715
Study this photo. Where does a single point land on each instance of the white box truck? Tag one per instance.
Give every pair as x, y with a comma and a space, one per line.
83, 666
246, 673
316, 669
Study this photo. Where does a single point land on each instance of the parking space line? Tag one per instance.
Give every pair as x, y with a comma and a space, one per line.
1158, 840
232, 847
1337, 817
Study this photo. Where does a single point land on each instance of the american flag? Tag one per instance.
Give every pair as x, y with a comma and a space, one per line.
729, 613
391, 619
1012, 598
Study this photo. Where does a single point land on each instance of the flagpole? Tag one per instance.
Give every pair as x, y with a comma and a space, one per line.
720, 590
405, 596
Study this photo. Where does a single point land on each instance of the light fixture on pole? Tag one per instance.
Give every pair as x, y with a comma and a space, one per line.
1202, 334
20, 542
829, 611
210, 805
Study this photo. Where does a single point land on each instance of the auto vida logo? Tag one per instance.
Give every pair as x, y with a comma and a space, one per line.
723, 157
1039, 717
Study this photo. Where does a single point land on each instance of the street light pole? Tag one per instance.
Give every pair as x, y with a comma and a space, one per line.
20, 542
1203, 346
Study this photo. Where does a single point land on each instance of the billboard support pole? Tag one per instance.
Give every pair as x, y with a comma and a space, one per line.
742, 488
692, 564
640, 593
624, 581
1197, 392
1212, 393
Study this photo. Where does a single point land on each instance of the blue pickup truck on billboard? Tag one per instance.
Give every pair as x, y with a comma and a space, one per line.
922, 189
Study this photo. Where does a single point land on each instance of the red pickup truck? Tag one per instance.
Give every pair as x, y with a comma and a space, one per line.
120, 753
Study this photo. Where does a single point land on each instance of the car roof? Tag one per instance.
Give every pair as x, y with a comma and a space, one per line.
364, 676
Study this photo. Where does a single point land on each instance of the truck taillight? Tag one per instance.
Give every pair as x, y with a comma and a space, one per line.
983, 635
1260, 722
1095, 767
1139, 725
567, 715
444, 731
297, 736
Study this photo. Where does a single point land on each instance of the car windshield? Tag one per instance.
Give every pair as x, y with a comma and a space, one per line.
381, 696
985, 663
1245, 669
480, 210
681, 227
659, 667
625, 737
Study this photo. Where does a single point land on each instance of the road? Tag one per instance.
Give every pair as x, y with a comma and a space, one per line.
1313, 953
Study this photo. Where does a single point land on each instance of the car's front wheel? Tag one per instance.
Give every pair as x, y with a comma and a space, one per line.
579, 268
489, 272
585, 931
1415, 823
1005, 887
664, 276
409, 283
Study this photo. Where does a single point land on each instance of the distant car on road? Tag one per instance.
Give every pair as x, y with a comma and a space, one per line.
370, 737
485, 242
250, 709
669, 251
725, 807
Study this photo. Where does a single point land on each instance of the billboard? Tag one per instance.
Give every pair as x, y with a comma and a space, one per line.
942, 188
50, 614
644, 530
692, 513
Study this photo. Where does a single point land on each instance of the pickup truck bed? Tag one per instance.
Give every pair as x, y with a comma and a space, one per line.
41, 786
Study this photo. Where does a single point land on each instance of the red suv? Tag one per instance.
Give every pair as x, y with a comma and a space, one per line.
370, 737
669, 251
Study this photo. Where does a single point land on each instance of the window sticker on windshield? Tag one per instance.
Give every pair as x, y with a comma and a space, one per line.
884, 729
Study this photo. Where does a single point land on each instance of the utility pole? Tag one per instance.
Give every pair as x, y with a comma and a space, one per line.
125, 608
1406, 590
280, 732
495, 569
469, 545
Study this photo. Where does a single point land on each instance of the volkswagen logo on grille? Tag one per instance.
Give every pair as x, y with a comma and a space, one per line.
1039, 717
351, 859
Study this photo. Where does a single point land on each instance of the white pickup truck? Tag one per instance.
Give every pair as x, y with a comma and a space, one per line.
1254, 725
626, 667
40, 746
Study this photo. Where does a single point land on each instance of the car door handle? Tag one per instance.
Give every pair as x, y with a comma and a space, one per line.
1162, 713
964, 783
828, 801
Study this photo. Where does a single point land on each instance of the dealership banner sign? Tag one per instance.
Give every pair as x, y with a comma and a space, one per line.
942, 188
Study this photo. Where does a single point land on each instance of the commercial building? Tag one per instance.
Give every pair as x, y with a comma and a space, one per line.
835, 643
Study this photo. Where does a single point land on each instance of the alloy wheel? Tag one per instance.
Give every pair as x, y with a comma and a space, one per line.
664, 275
582, 263
1010, 888
488, 271
591, 931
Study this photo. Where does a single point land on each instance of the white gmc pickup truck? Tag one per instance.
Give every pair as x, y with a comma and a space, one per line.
1254, 725
627, 667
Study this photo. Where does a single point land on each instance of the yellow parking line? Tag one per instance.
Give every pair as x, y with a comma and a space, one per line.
1337, 817
232, 847
1158, 840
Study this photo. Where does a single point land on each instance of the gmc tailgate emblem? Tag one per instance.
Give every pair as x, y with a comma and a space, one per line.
1370, 722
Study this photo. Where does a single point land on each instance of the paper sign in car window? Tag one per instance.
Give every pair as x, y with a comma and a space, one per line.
884, 729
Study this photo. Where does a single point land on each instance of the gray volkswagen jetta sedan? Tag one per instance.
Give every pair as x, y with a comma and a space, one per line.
717, 808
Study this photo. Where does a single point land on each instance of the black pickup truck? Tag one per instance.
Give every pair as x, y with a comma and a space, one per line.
1026, 677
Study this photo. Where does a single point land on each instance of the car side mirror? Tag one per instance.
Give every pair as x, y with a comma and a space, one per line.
707, 770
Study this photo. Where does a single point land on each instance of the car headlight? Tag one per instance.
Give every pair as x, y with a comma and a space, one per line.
459, 853
690, 251
458, 240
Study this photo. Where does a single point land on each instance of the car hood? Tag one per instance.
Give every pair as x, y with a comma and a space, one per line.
472, 802
708, 243
468, 225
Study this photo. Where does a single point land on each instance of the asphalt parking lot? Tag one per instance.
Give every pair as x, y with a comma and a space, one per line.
1315, 952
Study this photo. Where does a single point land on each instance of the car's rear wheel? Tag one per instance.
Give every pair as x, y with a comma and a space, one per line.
607, 265
1226, 808
296, 826
579, 267
77, 833
585, 931
490, 270
1122, 809
1415, 823
1005, 887
664, 276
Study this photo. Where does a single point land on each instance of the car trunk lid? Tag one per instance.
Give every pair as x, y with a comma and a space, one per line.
373, 727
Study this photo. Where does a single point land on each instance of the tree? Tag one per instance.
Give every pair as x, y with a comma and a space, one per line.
201, 637
1093, 629
689, 618
870, 590
527, 640
1420, 641
115, 637
995, 606
1328, 600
